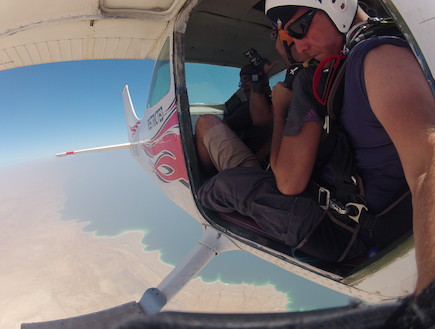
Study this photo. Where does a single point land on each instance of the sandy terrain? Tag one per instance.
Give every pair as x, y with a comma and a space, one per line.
51, 269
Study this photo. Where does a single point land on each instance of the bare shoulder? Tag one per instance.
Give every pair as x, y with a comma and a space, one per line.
401, 99
394, 80
387, 52
387, 62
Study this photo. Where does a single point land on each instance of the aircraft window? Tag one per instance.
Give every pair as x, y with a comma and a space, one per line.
214, 84
279, 77
161, 80
211, 84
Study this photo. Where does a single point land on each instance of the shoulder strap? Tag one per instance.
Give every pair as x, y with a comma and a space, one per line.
334, 102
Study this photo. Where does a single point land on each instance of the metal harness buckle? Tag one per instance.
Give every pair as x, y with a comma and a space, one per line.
323, 198
325, 201
359, 207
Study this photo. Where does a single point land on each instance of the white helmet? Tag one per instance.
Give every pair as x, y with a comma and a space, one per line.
341, 12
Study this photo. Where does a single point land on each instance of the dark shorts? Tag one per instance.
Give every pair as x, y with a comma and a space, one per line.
290, 218
252, 192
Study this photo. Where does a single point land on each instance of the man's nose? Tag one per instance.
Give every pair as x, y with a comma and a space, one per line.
302, 46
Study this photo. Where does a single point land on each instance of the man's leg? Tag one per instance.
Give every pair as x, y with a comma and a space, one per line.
203, 125
219, 147
252, 192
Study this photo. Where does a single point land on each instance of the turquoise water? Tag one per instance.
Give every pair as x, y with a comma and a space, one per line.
114, 194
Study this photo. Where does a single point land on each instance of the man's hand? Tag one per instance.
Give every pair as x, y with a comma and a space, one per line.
269, 66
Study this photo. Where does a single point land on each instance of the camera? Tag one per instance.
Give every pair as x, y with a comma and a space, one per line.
254, 57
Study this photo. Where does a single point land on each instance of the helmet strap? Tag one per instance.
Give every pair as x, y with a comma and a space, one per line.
288, 52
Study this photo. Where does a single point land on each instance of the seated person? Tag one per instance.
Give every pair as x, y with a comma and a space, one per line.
237, 129
256, 135
247, 131
387, 129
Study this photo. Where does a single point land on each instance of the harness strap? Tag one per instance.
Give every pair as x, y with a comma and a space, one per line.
335, 100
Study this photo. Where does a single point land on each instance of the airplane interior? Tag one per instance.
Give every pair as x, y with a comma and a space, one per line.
219, 35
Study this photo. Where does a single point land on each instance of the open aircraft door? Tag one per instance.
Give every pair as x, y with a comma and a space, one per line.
157, 136
159, 149
162, 144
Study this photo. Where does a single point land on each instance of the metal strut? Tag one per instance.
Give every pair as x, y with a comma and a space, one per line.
210, 244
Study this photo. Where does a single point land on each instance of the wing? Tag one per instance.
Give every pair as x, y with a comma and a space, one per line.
45, 31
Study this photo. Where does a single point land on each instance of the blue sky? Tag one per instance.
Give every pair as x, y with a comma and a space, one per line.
50, 108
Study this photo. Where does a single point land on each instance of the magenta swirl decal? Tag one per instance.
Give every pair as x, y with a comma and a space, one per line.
164, 149
134, 128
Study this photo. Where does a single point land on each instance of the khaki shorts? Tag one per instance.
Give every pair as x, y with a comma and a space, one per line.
226, 150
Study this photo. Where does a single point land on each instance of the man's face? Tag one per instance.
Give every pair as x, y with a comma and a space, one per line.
322, 38
295, 54
279, 46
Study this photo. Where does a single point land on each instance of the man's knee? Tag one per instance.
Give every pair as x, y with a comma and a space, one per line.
226, 191
205, 123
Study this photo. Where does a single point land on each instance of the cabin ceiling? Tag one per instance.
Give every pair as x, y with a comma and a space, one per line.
219, 32
46, 31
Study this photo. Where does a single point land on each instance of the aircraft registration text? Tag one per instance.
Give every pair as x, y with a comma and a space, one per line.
155, 118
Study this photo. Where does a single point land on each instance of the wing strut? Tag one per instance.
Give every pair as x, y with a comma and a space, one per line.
211, 244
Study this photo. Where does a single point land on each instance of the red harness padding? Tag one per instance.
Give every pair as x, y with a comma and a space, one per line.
332, 64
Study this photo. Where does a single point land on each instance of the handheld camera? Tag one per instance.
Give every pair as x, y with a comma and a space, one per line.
254, 57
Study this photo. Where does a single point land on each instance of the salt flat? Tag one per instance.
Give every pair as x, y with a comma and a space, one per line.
51, 269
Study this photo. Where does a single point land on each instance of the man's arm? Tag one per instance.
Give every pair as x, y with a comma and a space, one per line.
402, 101
424, 224
259, 107
260, 110
292, 157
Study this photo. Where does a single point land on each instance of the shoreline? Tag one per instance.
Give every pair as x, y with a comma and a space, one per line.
54, 269
199, 276
218, 284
